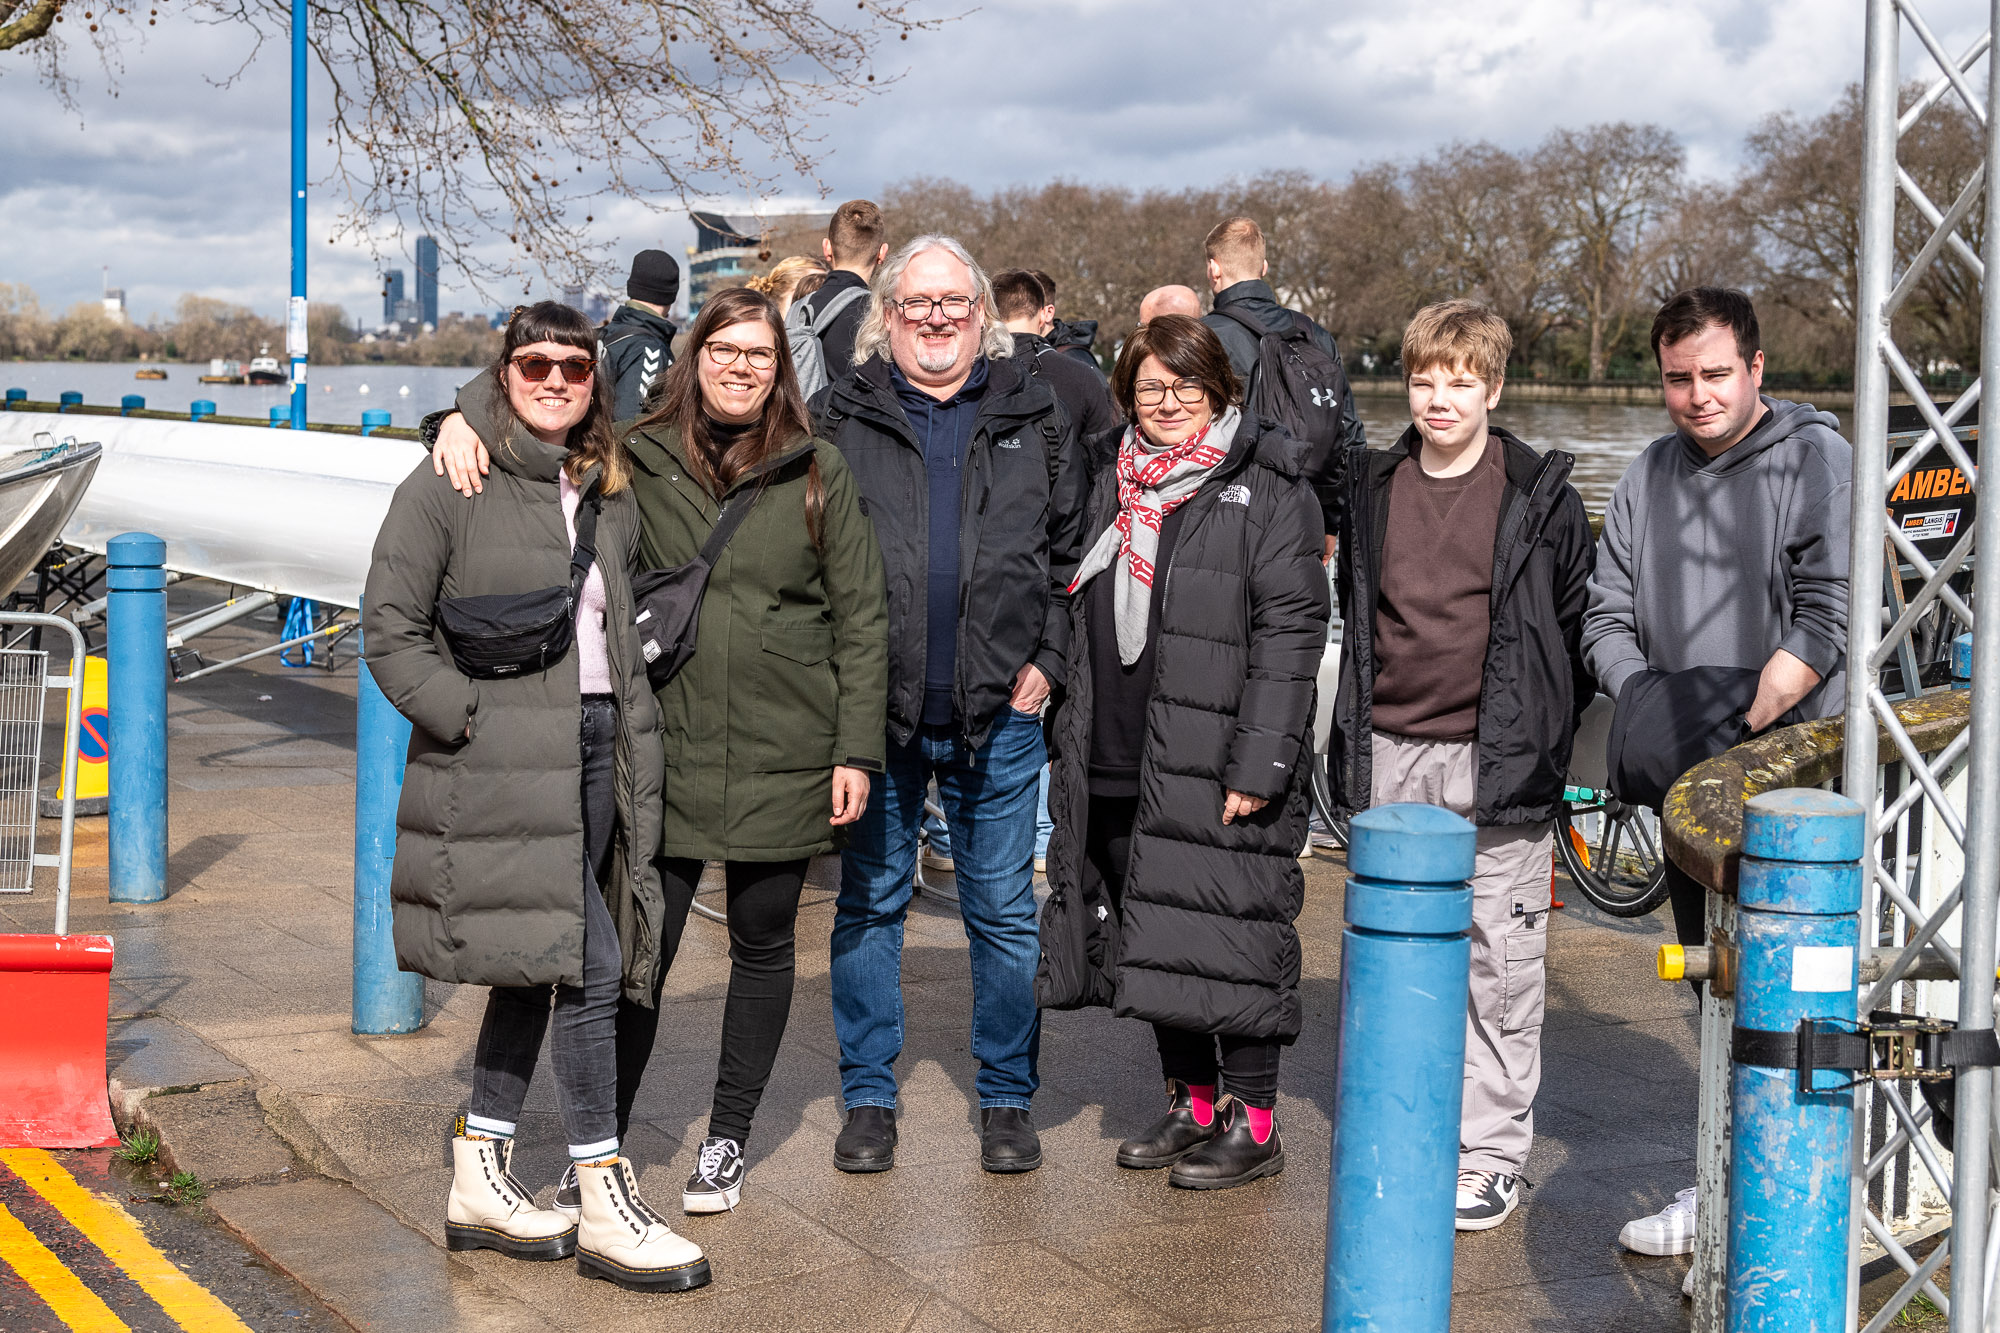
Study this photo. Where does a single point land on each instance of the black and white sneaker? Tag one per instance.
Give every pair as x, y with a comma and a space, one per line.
1486, 1199
569, 1195
716, 1183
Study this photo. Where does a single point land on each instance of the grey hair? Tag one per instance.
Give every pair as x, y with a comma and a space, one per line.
873, 335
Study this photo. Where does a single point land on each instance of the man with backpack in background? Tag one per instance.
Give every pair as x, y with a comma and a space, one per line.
637, 343
1309, 395
822, 326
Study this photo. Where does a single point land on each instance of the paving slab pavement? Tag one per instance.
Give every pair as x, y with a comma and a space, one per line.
237, 986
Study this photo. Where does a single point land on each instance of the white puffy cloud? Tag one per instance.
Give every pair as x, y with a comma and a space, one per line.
180, 184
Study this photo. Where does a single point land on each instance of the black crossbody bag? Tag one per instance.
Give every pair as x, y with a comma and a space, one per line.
506, 634
666, 603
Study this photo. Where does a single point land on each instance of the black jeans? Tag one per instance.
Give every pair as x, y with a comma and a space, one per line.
1246, 1066
510, 1038
763, 908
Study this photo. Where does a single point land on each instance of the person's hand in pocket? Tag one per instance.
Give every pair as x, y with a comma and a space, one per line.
1031, 690
1236, 805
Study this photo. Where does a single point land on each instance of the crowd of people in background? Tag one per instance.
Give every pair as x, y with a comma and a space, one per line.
886, 536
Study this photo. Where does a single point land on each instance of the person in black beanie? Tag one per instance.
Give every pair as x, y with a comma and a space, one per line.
636, 346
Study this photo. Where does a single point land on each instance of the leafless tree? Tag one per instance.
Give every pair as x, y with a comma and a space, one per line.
1486, 229
471, 119
1609, 187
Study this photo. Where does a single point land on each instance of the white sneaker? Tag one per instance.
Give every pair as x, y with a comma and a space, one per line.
621, 1240
490, 1210
1669, 1231
1486, 1199
932, 861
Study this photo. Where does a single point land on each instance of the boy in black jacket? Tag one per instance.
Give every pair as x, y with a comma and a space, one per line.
1464, 557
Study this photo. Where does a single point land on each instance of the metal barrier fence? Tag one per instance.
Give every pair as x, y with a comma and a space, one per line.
24, 679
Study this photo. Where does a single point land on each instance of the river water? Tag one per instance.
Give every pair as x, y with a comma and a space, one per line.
1605, 437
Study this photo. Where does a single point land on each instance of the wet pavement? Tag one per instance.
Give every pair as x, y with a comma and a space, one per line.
327, 1150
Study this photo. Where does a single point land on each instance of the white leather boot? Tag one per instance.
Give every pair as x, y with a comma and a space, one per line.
621, 1240
490, 1210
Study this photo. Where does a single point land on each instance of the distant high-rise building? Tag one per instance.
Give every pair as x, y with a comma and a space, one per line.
427, 280
114, 303
392, 294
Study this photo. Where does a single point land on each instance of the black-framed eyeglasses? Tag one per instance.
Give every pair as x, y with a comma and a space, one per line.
535, 368
1151, 393
919, 309
725, 354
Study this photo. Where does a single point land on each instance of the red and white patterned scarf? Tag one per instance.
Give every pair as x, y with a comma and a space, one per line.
1152, 483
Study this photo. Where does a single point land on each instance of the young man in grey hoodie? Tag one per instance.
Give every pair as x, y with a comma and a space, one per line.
1725, 545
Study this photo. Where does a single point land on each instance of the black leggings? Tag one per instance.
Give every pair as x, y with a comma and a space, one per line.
1689, 899
1246, 1066
763, 906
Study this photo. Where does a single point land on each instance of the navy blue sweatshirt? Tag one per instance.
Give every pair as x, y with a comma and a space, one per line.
945, 429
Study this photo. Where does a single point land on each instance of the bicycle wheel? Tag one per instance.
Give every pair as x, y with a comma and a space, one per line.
1612, 852
1325, 824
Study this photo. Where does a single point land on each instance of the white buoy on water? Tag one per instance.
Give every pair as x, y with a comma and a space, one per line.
362, 389
404, 391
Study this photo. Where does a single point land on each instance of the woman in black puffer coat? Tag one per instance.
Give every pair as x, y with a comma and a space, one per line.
1179, 787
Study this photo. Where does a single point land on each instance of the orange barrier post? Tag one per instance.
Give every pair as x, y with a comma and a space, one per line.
56, 993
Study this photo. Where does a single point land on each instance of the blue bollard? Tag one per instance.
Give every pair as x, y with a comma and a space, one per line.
136, 698
16, 396
385, 998
131, 403
68, 399
1404, 962
1798, 901
372, 420
281, 418
199, 408
1961, 661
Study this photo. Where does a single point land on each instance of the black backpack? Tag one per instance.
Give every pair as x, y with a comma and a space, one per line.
1298, 385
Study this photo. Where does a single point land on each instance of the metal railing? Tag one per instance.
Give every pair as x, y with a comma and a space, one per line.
22, 746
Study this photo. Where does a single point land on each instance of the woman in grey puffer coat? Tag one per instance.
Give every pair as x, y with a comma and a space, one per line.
530, 812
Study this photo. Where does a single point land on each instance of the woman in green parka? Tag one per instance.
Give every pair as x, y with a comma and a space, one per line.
775, 725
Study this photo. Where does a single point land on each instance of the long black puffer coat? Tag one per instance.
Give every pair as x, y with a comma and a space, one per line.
1206, 940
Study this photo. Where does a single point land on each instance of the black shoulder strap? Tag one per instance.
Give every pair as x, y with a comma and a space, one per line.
585, 554
1301, 326
726, 523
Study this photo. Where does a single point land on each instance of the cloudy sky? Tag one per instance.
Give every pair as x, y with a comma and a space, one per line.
180, 185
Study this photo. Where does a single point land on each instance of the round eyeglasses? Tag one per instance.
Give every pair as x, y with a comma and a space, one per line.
725, 354
1151, 393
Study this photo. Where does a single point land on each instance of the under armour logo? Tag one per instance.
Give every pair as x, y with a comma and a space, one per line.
1324, 398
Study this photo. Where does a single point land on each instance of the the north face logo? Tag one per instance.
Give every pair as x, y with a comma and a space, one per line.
1234, 495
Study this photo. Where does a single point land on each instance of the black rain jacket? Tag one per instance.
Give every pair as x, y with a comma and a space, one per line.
636, 347
1206, 940
1534, 685
1020, 533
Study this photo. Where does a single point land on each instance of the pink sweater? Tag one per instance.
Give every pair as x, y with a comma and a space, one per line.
592, 661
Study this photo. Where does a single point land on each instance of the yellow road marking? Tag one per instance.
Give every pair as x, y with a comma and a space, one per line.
75, 1304
112, 1230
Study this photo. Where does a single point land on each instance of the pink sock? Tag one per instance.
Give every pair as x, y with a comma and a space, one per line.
1260, 1123
1204, 1103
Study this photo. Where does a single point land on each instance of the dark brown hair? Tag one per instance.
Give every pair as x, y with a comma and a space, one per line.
784, 421
855, 232
591, 440
1185, 346
1688, 313
1017, 294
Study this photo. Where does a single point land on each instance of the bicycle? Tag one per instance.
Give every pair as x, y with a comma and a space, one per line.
1612, 851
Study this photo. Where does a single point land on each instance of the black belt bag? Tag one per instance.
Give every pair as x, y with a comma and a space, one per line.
666, 603
506, 634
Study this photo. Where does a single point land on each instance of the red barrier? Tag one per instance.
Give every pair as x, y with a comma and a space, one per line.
55, 1001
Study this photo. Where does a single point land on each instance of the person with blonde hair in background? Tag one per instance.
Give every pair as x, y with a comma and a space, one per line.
781, 284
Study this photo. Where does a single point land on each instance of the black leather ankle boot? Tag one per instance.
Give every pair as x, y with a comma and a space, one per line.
1231, 1158
867, 1141
1173, 1136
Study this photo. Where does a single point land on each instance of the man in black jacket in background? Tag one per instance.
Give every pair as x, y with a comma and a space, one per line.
1018, 296
970, 470
853, 248
637, 344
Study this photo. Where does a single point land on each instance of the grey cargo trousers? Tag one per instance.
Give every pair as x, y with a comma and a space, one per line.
1510, 935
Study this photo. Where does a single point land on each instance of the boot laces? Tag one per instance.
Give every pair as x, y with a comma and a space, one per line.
715, 1157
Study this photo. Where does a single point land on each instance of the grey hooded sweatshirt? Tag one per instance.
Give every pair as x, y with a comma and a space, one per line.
1721, 562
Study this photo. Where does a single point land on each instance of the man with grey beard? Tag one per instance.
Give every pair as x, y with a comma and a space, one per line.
973, 477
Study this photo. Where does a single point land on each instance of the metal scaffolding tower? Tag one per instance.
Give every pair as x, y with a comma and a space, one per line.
1933, 873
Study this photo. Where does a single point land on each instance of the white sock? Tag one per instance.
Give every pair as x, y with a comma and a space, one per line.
481, 1127
593, 1152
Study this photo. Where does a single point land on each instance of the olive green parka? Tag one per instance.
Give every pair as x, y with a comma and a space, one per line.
489, 875
790, 671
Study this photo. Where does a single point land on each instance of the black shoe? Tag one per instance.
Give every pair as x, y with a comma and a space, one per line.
1173, 1136
1007, 1140
867, 1141
716, 1183
1231, 1158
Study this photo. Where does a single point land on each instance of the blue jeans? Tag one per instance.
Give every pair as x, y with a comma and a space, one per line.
1044, 826
988, 797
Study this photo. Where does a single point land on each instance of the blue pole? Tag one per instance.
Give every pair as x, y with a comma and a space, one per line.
1405, 957
70, 398
136, 697
385, 999
130, 403
295, 332
1790, 1182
